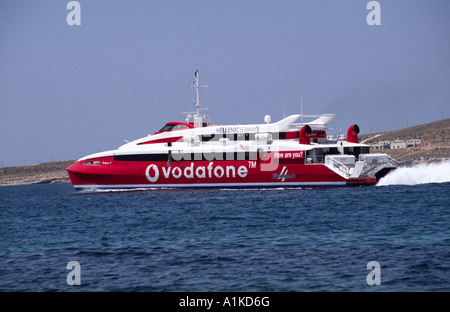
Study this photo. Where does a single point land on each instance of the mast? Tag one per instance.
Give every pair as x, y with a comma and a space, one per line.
198, 118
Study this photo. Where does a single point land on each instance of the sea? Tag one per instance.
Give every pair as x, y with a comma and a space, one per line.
393, 237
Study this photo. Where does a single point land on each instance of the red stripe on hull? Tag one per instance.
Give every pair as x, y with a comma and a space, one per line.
112, 173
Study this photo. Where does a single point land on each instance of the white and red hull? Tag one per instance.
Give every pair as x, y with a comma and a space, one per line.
112, 174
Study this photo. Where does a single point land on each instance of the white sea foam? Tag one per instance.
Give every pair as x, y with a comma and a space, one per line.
112, 190
419, 174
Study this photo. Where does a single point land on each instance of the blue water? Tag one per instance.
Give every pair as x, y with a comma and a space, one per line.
226, 240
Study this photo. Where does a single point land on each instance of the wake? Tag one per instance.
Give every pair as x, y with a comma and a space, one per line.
419, 174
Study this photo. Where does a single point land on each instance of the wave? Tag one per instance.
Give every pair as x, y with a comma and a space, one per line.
112, 190
418, 174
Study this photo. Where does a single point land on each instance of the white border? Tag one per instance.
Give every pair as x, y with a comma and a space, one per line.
213, 185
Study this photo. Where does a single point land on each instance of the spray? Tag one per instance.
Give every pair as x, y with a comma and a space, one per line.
418, 174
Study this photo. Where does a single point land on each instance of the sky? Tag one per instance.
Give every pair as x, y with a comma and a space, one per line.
67, 91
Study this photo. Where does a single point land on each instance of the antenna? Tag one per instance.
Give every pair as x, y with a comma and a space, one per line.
301, 105
198, 118
197, 86
284, 99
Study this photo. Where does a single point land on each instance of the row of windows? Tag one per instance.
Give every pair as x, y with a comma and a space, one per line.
188, 156
247, 136
318, 153
251, 156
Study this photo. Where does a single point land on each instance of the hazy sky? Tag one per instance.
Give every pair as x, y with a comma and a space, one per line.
68, 91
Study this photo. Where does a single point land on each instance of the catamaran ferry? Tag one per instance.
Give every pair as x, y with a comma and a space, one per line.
192, 153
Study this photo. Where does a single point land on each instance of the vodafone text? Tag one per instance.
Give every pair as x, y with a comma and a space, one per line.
202, 172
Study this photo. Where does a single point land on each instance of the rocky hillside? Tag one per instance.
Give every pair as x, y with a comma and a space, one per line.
435, 138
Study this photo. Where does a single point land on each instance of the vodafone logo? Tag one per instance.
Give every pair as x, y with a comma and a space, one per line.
200, 172
155, 173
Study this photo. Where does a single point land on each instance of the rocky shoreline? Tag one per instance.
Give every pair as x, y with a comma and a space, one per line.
51, 172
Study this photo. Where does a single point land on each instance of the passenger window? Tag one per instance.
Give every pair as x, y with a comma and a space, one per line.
166, 128
177, 127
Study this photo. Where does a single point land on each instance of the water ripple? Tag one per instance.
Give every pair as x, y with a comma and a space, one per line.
222, 240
